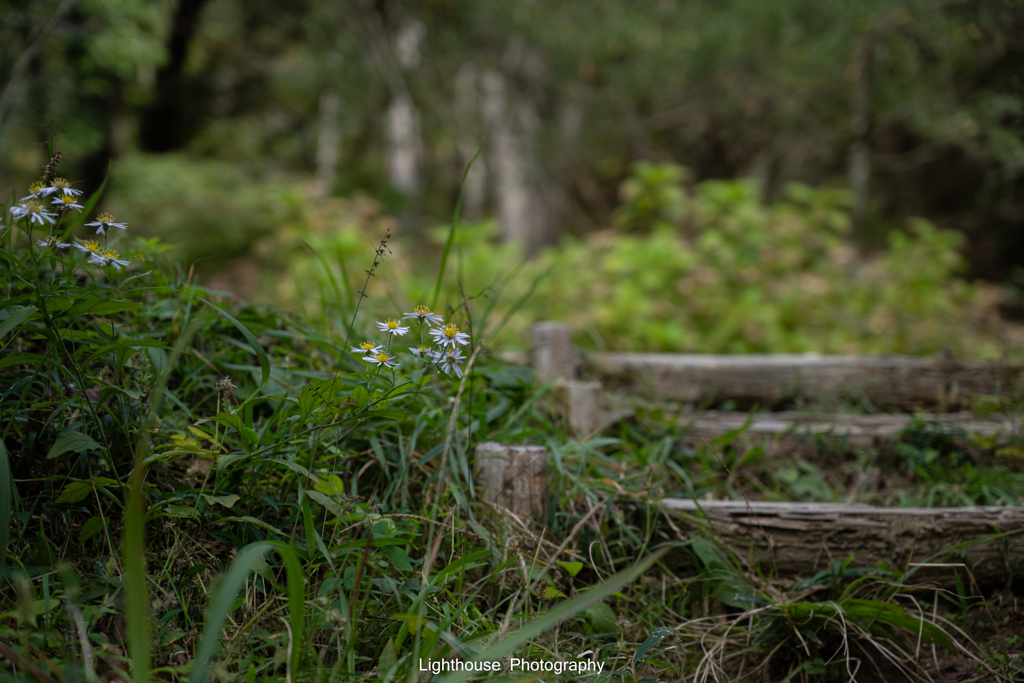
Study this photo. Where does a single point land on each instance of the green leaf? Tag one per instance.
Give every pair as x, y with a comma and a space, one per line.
227, 500
318, 393
331, 505
602, 618
257, 348
656, 637
572, 567
398, 558
76, 491
388, 658
332, 485
92, 526
15, 318
892, 613
72, 441
229, 420
551, 593
24, 358
361, 396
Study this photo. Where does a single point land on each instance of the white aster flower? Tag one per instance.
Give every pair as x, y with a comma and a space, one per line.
449, 335
109, 257
37, 189
60, 186
381, 358
53, 242
34, 210
425, 352
424, 315
105, 221
450, 362
366, 347
90, 246
392, 327
66, 202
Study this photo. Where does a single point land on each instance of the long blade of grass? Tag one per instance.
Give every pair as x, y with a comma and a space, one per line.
559, 612
245, 563
454, 226
256, 347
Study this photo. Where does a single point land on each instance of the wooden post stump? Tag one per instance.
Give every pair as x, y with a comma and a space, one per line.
514, 477
582, 401
802, 538
553, 354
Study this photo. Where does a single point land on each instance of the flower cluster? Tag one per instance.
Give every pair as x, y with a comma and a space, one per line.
63, 198
446, 355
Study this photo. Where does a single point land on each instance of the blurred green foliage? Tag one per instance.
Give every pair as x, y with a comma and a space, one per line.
710, 267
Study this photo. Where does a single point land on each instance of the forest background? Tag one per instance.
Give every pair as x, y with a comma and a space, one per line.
788, 149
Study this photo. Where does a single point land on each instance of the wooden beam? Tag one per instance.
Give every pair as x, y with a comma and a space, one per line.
858, 430
770, 379
799, 539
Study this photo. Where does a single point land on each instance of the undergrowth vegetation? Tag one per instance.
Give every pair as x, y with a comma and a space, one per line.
195, 489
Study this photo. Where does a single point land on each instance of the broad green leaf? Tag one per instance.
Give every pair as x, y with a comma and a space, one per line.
72, 441
398, 558
92, 526
16, 318
332, 485
572, 567
24, 358
551, 593
602, 618
330, 504
76, 491
388, 658
229, 420
227, 500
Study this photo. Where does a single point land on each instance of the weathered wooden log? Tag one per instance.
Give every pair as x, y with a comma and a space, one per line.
793, 539
553, 354
857, 430
514, 477
767, 379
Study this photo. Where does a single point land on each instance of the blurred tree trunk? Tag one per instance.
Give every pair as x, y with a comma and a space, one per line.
165, 125
860, 126
512, 130
405, 147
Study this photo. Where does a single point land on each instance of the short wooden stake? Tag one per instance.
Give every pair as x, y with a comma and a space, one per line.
552, 355
514, 477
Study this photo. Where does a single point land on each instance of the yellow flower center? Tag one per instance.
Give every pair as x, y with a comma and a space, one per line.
421, 310
61, 183
92, 245
450, 331
392, 324
105, 218
32, 207
109, 253
67, 199
381, 356
421, 347
366, 346
36, 186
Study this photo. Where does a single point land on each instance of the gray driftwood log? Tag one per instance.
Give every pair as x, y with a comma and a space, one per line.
793, 539
514, 477
886, 381
858, 430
